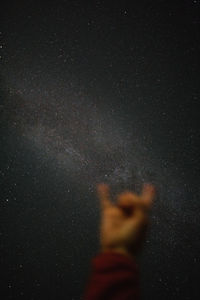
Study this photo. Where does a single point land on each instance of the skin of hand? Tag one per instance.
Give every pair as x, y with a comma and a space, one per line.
123, 225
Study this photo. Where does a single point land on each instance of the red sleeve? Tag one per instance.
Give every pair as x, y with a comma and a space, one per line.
113, 276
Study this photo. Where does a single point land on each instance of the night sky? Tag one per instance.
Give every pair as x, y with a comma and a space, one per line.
97, 92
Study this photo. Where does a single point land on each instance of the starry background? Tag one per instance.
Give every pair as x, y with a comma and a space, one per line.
90, 92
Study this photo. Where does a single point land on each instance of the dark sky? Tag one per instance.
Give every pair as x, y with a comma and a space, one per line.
97, 91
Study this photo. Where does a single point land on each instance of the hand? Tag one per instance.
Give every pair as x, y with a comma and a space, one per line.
123, 225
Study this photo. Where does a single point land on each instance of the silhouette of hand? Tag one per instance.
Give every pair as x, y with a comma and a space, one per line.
123, 225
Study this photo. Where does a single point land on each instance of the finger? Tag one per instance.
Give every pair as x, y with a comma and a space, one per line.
103, 192
128, 198
148, 194
128, 201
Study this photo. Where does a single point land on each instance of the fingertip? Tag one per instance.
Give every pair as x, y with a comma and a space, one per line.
149, 188
102, 187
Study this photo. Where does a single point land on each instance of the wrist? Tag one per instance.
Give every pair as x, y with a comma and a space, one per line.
118, 250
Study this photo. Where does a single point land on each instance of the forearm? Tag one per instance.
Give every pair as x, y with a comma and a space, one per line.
114, 276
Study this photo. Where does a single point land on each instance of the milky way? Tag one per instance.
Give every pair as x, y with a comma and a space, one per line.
99, 92
72, 133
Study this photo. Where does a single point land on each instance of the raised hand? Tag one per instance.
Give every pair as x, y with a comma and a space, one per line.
123, 225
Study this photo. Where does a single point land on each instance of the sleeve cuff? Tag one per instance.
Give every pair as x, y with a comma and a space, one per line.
106, 261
